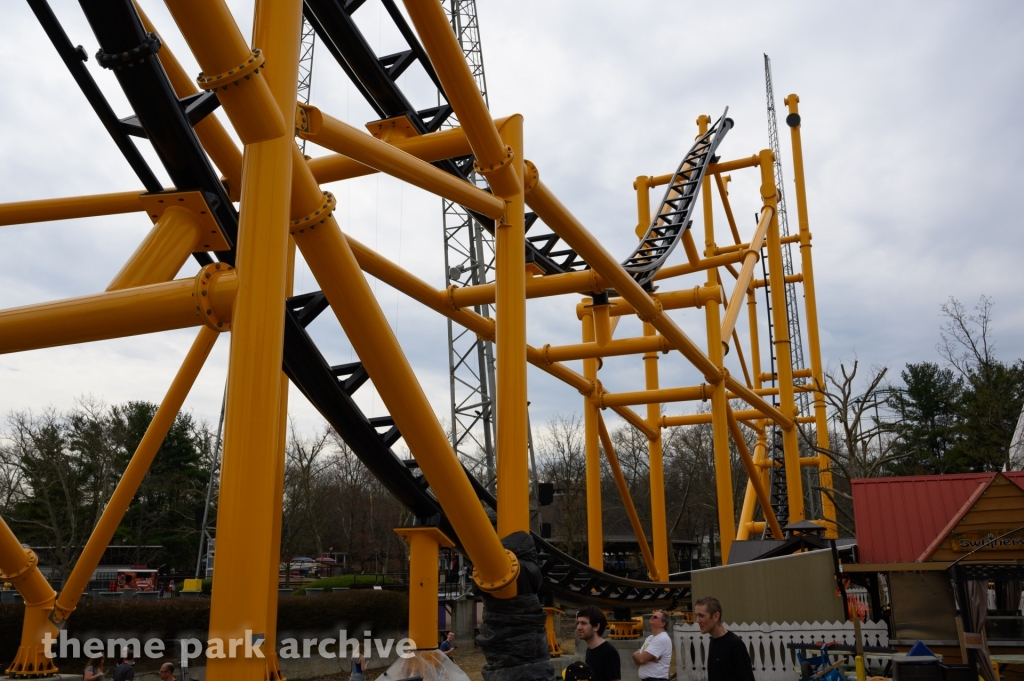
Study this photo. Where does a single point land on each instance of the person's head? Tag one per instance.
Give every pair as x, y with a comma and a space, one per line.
451, 637
659, 621
707, 612
167, 671
128, 655
98, 661
590, 622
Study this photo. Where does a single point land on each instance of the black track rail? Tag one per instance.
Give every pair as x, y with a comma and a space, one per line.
166, 122
673, 216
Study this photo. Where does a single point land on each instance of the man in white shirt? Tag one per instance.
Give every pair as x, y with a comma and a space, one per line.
655, 656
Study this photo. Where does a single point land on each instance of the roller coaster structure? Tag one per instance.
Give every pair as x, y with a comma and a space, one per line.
246, 259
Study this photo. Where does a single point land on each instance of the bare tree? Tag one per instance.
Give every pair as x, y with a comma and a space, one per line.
967, 342
562, 461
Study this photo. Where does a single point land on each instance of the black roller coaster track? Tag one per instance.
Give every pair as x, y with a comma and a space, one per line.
166, 122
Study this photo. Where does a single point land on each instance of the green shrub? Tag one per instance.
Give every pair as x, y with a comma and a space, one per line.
171, 618
348, 581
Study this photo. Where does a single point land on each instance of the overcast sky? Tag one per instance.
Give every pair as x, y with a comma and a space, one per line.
913, 152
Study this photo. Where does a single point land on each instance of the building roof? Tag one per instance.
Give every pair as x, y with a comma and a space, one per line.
899, 518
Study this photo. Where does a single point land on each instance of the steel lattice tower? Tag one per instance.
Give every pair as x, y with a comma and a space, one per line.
469, 260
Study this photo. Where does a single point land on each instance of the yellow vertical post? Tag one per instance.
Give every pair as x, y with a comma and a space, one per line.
245, 517
591, 441
780, 324
19, 566
424, 544
750, 496
719, 402
134, 473
828, 509
659, 519
643, 205
513, 470
273, 570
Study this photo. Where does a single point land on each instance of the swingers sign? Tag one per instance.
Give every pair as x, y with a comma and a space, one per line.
963, 542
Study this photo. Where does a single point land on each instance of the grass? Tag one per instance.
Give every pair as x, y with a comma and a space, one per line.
346, 581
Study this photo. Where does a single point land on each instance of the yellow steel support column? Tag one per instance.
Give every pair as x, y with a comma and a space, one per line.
719, 401
424, 543
19, 566
780, 323
273, 570
643, 205
659, 515
245, 521
133, 475
162, 253
828, 509
592, 448
513, 467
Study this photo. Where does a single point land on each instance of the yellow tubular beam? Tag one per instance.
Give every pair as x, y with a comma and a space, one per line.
634, 419
368, 150
563, 223
749, 497
130, 312
164, 250
753, 474
592, 451
811, 308
513, 466
133, 475
643, 205
70, 208
213, 136
424, 543
220, 48
673, 300
696, 419
273, 672
713, 169
705, 264
245, 519
380, 267
627, 501
624, 346
723, 193
19, 566
754, 400
746, 274
692, 256
434, 146
698, 392
780, 322
659, 520
493, 159
739, 356
327, 252
417, 289
586, 281
755, 346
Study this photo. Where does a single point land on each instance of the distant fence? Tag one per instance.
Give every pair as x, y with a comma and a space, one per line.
766, 643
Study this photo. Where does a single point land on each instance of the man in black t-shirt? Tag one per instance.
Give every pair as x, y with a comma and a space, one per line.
728, 659
125, 670
601, 656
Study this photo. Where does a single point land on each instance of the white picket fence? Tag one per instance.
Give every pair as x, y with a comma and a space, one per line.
766, 644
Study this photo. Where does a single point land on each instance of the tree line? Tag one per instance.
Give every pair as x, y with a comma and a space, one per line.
58, 468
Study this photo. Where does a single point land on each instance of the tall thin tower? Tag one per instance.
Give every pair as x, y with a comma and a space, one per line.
469, 261
796, 346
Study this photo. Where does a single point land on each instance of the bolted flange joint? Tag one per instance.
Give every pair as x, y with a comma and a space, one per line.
505, 581
244, 71
484, 170
316, 217
202, 293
